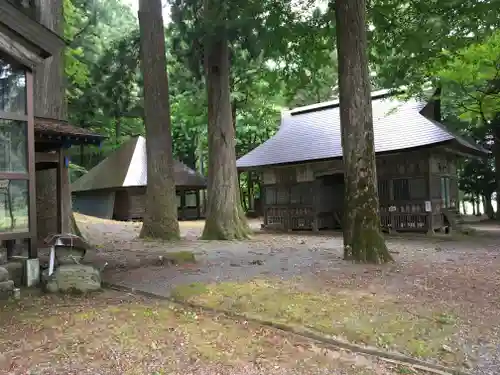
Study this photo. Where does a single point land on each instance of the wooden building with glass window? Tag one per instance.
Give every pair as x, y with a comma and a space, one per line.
302, 171
27, 144
116, 187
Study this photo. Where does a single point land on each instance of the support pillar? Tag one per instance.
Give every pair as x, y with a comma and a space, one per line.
59, 195
430, 215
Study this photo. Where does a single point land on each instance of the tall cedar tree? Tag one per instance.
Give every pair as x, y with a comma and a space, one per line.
160, 219
211, 34
363, 240
225, 219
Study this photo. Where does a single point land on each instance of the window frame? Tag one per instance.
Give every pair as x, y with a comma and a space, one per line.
28, 176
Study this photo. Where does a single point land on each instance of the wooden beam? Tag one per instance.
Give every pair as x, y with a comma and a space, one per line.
46, 157
41, 38
14, 46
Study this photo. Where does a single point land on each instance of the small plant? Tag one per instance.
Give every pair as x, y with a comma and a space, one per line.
445, 319
403, 370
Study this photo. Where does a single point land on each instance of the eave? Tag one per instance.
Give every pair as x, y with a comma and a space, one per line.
24, 38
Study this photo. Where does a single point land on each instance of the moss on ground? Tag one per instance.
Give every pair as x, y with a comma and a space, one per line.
185, 292
358, 317
180, 257
122, 334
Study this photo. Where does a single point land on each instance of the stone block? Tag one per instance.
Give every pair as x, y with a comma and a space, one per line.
4, 274
16, 272
32, 272
3, 255
6, 288
72, 278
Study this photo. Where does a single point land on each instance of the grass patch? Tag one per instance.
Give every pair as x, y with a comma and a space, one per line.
351, 315
180, 257
123, 334
185, 292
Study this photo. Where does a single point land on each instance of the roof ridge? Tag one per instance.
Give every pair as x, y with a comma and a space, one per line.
375, 95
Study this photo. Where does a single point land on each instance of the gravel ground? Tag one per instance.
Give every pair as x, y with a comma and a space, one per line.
461, 275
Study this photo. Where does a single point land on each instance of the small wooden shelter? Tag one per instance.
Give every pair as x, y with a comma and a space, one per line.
116, 187
302, 171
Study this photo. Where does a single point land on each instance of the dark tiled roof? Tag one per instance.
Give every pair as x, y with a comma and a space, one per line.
127, 166
313, 132
46, 127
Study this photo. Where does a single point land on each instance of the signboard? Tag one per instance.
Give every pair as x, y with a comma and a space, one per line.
428, 206
4, 184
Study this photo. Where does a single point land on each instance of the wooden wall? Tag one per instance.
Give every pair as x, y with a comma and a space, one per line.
130, 204
311, 196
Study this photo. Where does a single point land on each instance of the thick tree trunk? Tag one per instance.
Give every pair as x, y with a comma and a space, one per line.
225, 219
473, 202
488, 207
160, 219
478, 207
50, 102
363, 240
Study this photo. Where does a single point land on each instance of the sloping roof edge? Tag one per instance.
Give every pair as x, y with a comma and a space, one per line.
254, 160
53, 128
127, 167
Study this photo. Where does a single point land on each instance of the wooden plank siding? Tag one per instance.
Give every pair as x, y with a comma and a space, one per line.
311, 196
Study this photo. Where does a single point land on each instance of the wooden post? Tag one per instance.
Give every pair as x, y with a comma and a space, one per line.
430, 217
316, 186
59, 187
392, 220
198, 213
32, 215
183, 204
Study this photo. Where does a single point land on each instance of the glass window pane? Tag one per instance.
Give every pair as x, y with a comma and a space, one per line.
178, 201
14, 206
191, 199
13, 146
12, 88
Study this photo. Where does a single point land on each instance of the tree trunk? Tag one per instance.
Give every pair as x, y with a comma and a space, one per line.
363, 240
488, 207
478, 205
50, 102
160, 218
225, 219
473, 202
118, 129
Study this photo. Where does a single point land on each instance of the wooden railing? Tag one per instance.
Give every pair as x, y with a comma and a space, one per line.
303, 218
290, 217
405, 221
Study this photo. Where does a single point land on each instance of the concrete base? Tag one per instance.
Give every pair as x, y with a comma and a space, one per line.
32, 272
